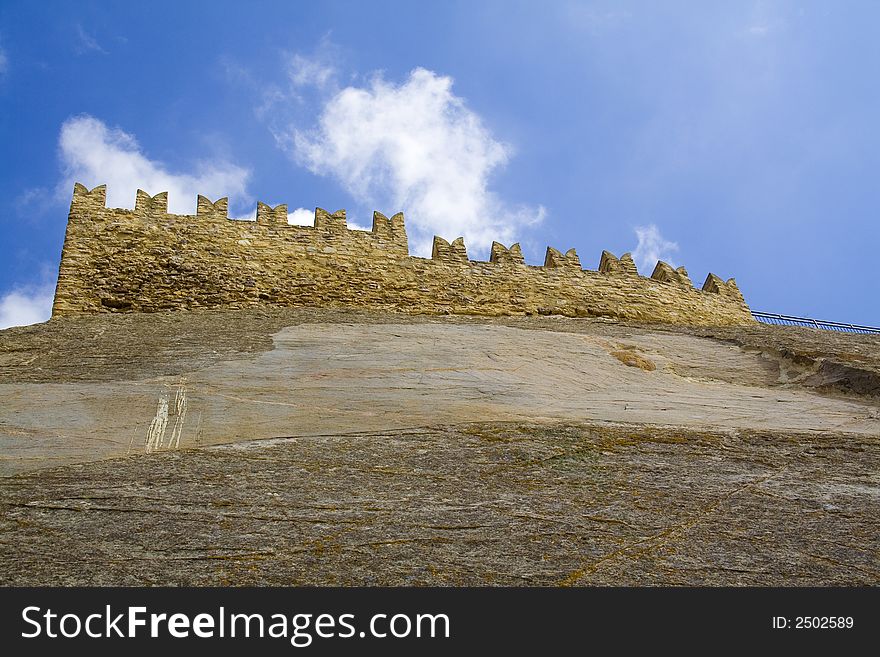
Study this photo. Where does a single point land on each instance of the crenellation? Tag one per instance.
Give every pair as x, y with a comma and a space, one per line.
331, 223
664, 273
555, 259
683, 276
146, 260
397, 225
610, 264
454, 253
502, 255
146, 204
381, 225
216, 209
82, 196
628, 265
717, 285
266, 214
391, 233
623, 266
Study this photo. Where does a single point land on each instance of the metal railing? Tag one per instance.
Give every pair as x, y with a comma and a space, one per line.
788, 320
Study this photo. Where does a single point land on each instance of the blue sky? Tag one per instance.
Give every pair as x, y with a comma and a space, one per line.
740, 138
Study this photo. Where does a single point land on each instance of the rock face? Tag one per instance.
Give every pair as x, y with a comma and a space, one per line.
147, 260
330, 447
283, 426
513, 504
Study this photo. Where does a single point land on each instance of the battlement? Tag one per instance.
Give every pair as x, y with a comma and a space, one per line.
148, 260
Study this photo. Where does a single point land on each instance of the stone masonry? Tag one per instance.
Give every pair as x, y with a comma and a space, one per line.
147, 260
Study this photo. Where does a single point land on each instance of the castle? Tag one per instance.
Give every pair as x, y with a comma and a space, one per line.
147, 260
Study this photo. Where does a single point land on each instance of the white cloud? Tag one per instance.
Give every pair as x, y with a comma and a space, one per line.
25, 306
4, 61
652, 247
93, 153
301, 217
414, 147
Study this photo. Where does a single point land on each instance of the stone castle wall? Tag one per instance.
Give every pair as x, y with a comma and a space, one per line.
147, 260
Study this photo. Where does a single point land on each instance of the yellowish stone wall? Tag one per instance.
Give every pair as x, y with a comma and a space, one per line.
147, 260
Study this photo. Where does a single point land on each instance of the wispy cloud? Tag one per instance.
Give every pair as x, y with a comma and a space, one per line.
93, 153
758, 30
306, 80
4, 61
26, 305
652, 247
581, 16
33, 204
414, 146
307, 71
86, 43
766, 19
